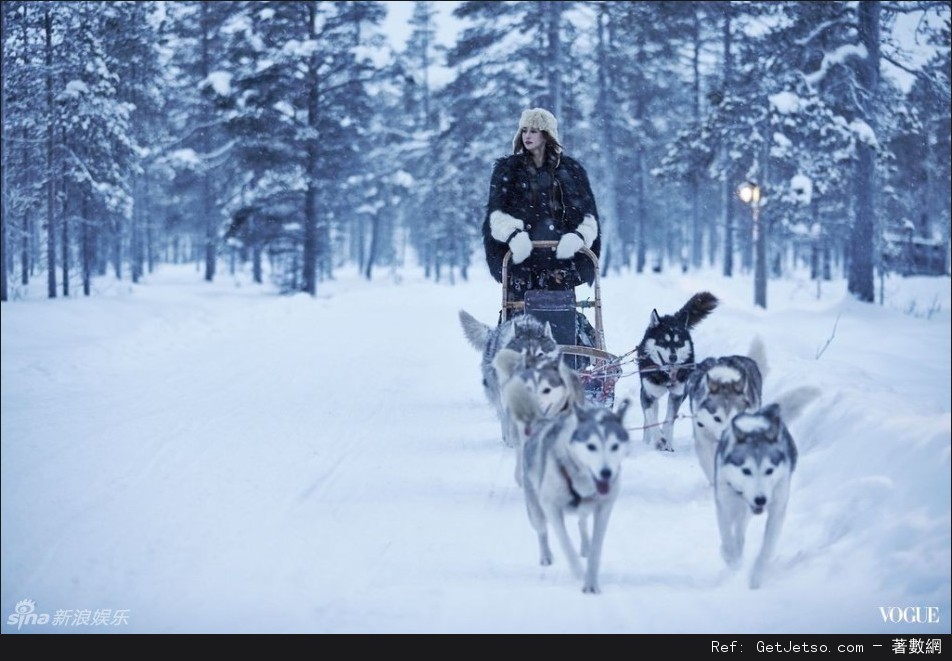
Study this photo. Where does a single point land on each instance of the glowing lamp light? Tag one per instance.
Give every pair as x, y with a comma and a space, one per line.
749, 193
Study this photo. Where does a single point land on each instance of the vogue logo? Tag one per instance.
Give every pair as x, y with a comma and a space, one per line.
910, 614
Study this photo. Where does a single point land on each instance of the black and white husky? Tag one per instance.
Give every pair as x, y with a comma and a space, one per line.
571, 465
720, 388
524, 334
665, 361
753, 466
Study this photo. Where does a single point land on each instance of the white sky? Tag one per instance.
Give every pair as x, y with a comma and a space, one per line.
397, 28
214, 457
915, 53
399, 13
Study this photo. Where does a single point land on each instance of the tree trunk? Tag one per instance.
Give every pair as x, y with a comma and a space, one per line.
3, 248
66, 263
427, 115
937, 156
86, 248
554, 16
641, 224
760, 258
759, 238
862, 240
3, 158
134, 245
727, 193
25, 249
310, 200
374, 244
147, 222
211, 226
728, 189
50, 190
608, 219
697, 235
116, 237
816, 245
827, 259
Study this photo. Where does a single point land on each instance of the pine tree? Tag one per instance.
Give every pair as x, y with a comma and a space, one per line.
24, 172
199, 85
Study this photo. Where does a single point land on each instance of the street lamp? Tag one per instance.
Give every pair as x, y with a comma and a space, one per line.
750, 193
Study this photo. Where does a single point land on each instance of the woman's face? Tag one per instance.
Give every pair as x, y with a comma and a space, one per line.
532, 139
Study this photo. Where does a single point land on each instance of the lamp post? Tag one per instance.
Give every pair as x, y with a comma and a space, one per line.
750, 193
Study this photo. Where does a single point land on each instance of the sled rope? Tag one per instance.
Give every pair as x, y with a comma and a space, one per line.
603, 370
612, 364
680, 416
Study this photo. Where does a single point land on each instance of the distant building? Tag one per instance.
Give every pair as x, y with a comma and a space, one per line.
907, 254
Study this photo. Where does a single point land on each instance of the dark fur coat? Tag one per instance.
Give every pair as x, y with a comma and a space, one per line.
551, 201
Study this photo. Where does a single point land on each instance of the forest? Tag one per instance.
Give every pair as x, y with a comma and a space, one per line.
294, 139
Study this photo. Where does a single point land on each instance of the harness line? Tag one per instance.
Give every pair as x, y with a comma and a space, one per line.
680, 416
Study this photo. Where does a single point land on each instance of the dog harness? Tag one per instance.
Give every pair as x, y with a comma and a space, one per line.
576, 497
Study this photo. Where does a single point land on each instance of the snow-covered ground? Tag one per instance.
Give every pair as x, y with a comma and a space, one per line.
181, 456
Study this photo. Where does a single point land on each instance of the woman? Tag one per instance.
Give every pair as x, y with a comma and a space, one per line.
540, 194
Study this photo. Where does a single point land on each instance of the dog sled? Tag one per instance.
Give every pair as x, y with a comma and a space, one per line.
584, 351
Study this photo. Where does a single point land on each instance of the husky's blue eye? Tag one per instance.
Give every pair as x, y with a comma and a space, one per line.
615, 447
546, 391
769, 471
592, 447
746, 471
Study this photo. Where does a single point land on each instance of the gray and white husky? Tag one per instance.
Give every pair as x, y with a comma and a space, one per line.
554, 390
720, 388
753, 467
571, 465
524, 334
665, 361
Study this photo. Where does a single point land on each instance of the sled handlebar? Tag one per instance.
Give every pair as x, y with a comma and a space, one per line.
508, 306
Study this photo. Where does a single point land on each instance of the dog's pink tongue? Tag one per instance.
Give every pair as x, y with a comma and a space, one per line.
603, 486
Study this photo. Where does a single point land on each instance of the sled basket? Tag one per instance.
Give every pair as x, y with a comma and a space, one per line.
599, 376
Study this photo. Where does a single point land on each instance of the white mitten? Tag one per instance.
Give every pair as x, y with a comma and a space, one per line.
569, 244
521, 246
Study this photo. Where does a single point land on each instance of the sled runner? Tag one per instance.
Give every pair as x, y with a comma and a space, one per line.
581, 342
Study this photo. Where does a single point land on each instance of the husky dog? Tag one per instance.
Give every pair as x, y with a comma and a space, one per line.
524, 334
753, 466
572, 465
718, 389
554, 391
665, 360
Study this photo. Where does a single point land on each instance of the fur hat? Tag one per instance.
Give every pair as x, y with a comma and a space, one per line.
539, 119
